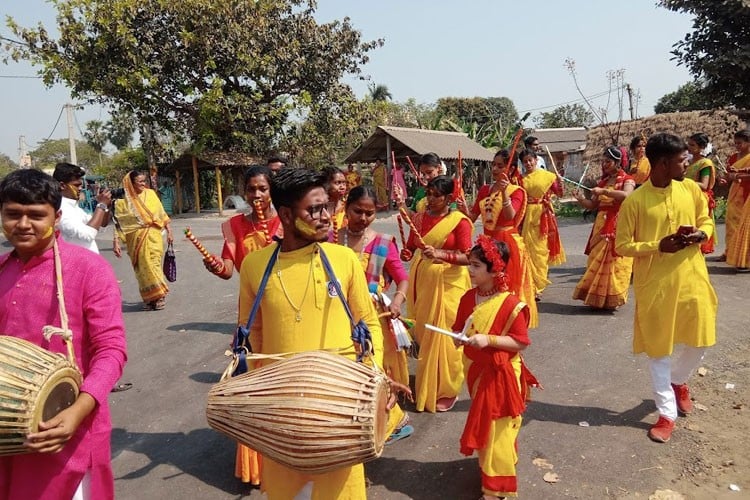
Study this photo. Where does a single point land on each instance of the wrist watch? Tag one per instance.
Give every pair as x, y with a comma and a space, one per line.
103, 207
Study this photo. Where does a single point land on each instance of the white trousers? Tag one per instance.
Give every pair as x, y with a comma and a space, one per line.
675, 369
84, 489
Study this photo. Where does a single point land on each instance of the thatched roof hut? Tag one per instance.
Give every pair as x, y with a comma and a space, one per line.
720, 126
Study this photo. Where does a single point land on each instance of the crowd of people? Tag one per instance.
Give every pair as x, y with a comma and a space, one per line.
308, 249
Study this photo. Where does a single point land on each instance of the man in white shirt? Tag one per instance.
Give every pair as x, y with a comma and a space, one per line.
76, 226
532, 143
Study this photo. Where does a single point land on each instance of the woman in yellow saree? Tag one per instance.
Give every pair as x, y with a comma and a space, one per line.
437, 279
703, 172
502, 207
380, 261
540, 233
140, 219
738, 167
380, 181
605, 283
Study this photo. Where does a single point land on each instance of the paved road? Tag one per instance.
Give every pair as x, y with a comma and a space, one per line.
163, 448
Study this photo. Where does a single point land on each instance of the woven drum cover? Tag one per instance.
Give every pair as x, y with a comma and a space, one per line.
313, 412
35, 385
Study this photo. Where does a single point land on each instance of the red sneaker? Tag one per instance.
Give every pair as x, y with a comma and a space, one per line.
662, 430
682, 395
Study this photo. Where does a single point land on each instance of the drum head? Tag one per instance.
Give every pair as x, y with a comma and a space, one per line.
381, 416
59, 392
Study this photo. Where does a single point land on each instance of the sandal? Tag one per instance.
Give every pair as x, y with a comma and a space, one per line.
401, 433
148, 306
446, 404
122, 387
160, 304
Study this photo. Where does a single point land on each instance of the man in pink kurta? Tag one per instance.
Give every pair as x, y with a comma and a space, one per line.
76, 442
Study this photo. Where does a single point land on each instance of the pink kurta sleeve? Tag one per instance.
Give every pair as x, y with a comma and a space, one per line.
393, 265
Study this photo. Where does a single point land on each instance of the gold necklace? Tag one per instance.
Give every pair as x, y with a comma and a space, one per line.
297, 310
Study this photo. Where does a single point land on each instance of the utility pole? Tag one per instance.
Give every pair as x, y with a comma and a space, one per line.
629, 90
71, 135
24, 160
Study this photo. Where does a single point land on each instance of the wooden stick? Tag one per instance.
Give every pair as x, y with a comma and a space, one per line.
206, 255
415, 172
401, 230
514, 167
258, 207
414, 230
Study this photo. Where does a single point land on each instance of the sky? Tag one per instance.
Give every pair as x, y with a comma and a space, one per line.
433, 49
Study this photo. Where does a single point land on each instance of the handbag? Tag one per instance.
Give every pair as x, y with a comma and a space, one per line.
170, 264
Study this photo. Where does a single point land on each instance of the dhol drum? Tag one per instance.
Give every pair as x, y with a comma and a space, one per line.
313, 412
35, 385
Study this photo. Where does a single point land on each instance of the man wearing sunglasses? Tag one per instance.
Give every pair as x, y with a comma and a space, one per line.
300, 311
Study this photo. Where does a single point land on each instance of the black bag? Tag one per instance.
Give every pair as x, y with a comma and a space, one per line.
170, 264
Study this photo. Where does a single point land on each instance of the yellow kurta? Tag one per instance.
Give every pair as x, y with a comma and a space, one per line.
536, 184
674, 300
435, 290
323, 324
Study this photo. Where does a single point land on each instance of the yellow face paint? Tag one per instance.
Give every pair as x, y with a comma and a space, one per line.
74, 190
305, 227
48, 232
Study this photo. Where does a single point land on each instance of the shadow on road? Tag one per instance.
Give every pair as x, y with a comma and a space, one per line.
453, 479
200, 326
573, 415
571, 309
193, 453
206, 377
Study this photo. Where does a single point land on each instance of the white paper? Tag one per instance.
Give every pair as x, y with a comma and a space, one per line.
457, 336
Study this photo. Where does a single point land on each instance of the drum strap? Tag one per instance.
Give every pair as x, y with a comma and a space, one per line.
241, 346
360, 332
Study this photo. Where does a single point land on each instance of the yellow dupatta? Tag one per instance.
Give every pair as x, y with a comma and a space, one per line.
491, 209
693, 171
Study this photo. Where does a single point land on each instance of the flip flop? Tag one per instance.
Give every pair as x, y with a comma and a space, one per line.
398, 434
122, 387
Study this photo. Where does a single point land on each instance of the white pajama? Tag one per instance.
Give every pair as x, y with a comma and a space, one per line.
675, 369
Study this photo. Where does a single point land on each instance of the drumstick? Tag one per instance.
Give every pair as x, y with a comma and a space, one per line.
457, 336
414, 230
206, 255
335, 228
401, 230
416, 172
258, 207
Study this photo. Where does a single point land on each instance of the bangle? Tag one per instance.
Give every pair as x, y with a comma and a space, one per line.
399, 292
492, 340
506, 203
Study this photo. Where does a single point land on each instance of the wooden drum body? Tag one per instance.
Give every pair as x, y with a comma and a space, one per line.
313, 412
35, 385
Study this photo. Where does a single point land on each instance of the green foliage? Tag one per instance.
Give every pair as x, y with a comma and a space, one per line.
226, 75
120, 128
567, 115
121, 163
95, 135
379, 93
716, 51
688, 97
479, 110
6, 165
53, 151
720, 210
333, 128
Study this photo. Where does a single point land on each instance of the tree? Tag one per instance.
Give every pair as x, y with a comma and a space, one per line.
50, 152
691, 96
716, 51
379, 93
224, 74
96, 137
120, 129
6, 165
480, 110
567, 115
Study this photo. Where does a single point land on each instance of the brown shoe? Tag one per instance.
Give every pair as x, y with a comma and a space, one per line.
682, 395
662, 430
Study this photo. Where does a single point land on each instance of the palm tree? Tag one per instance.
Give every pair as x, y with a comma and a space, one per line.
379, 93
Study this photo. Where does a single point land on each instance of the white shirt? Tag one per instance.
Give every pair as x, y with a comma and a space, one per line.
74, 226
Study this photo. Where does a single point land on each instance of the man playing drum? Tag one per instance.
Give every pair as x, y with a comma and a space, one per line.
300, 311
70, 455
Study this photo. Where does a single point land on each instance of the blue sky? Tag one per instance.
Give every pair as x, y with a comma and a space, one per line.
436, 49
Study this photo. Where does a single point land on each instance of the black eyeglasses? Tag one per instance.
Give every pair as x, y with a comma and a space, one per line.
316, 211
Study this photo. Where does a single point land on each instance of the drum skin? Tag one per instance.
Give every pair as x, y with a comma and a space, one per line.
313, 412
35, 385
